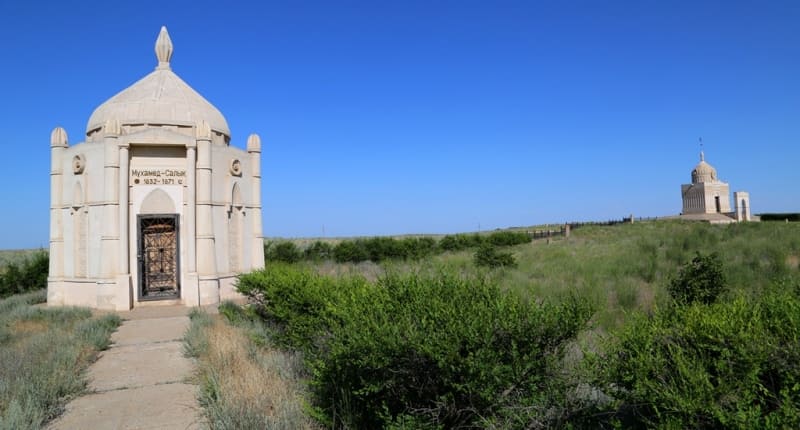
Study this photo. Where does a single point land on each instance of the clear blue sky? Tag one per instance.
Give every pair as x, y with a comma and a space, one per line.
391, 117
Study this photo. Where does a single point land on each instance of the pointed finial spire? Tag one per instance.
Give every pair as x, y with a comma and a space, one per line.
163, 49
253, 143
58, 137
702, 155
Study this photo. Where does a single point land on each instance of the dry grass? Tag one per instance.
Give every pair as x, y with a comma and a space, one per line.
246, 383
27, 327
243, 385
43, 356
793, 261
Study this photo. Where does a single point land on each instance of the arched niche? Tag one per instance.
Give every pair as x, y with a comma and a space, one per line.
157, 202
80, 232
77, 195
236, 195
235, 229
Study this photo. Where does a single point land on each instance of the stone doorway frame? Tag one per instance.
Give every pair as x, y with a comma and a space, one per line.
142, 261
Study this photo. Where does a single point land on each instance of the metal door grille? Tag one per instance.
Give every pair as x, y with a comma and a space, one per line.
158, 256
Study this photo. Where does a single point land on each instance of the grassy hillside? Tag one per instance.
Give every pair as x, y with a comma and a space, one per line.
623, 267
628, 266
574, 332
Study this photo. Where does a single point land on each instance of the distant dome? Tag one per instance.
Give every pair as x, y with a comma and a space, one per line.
703, 172
160, 98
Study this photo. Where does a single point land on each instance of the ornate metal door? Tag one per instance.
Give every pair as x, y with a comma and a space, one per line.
159, 277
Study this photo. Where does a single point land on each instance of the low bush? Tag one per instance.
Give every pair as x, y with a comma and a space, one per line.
297, 299
318, 250
726, 365
508, 238
488, 256
350, 251
30, 274
383, 248
379, 249
700, 280
422, 350
794, 217
286, 252
416, 248
460, 242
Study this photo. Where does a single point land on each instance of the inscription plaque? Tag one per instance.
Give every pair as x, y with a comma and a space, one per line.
153, 176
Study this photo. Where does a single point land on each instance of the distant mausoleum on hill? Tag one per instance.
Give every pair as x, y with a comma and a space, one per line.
708, 199
155, 206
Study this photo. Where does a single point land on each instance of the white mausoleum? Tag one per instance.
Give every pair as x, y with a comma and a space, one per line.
708, 199
155, 206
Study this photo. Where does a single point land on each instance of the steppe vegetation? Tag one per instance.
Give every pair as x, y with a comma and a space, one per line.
729, 364
647, 325
246, 382
379, 249
44, 353
17, 256
22, 271
621, 269
416, 350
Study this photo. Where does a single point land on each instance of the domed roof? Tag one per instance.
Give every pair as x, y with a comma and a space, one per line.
703, 172
160, 98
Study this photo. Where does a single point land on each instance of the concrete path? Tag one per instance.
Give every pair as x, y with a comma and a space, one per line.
142, 381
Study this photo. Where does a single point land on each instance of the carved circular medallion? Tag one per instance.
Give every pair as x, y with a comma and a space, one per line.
78, 164
236, 167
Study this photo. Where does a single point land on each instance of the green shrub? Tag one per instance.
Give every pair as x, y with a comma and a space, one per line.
30, 274
286, 252
378, 249
350, 252
432, 350
508, 238
318, 250
383, 248
459, 242
296, 299
416, 248
700, 280
488, 256
449, 243
448, 350
725, 365
794, 217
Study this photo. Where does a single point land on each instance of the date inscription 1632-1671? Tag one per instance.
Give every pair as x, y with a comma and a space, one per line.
158, 176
